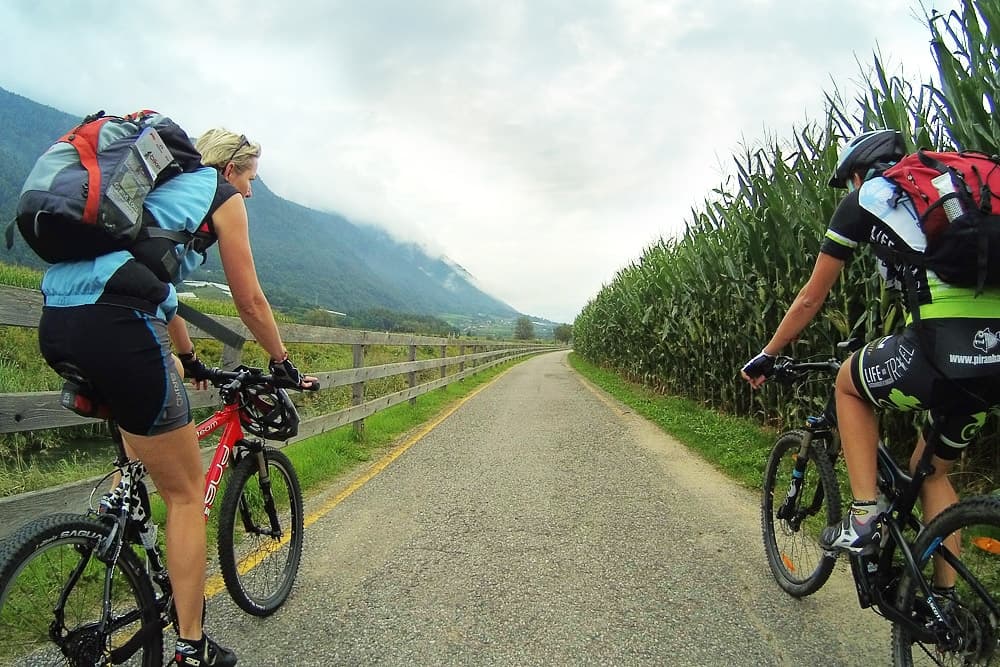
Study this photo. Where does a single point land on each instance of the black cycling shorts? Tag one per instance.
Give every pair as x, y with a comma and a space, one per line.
126, 356
894, 373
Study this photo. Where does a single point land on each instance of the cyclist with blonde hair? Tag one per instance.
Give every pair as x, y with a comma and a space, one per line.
119, 297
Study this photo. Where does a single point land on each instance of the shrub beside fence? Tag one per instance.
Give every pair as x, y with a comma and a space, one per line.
32, 411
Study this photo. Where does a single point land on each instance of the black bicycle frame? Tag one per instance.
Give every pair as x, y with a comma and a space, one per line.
875, 578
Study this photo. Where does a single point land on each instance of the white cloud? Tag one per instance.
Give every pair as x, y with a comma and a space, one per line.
542, 145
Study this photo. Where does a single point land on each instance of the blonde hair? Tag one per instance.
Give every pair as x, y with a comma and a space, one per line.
219, 147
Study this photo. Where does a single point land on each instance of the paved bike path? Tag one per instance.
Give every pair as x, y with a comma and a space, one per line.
543, 524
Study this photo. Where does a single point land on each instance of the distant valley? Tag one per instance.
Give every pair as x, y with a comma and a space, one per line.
306, 258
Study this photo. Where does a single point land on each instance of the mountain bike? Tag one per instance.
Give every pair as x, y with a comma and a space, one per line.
801, 495
93, 589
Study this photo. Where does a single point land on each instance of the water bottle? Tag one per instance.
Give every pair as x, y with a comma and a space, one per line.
952, 206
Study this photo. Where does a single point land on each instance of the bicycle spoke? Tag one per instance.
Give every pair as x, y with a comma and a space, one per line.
260, 541
51, 604
968, 632
794, 509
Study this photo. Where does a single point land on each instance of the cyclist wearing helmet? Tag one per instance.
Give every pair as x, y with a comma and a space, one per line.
911, 370
119, 298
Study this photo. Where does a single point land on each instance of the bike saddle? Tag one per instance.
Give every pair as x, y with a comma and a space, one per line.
78, 394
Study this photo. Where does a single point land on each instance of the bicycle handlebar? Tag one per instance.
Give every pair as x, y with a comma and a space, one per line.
788, 369
230, 383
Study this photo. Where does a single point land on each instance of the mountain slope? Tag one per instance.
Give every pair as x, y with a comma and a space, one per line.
303, 256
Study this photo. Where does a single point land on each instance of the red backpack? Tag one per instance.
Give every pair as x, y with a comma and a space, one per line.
957, 199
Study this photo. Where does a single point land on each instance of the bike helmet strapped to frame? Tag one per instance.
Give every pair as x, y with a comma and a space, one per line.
268, 412
867, 153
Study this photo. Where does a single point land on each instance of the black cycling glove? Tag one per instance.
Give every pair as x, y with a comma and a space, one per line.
193, 368
762, 364
285, 374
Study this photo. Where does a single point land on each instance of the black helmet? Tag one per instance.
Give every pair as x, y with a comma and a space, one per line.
268, 412
876, 149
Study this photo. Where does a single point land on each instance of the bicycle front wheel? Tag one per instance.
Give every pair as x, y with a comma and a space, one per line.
52, 593
791, 525
260, 533
969, 633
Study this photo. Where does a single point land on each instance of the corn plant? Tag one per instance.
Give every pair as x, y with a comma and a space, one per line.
691, 310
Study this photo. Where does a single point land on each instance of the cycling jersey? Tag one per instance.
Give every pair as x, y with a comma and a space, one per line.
107, 315
186, 201
873, 215
951, 365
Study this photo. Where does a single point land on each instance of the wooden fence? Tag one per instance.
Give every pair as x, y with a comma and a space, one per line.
33, 411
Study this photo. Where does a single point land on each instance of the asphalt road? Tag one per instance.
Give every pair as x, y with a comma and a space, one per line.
544, 524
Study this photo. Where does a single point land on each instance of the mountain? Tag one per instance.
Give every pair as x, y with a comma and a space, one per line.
304, 257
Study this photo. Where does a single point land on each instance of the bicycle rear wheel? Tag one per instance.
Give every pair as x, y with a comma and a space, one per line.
791, 528
51, 595
973, 612
259, 561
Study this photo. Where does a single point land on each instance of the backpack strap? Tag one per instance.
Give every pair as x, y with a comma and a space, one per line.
982, 257
215, 329
906, 259
8, 233
931, 162
174, 235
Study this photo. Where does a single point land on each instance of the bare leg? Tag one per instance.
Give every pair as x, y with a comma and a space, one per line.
936, 495
174, 464
858, 426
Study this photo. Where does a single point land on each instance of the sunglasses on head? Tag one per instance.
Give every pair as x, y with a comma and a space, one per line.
243, 142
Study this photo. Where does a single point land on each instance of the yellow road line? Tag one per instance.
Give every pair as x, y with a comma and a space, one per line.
215, 585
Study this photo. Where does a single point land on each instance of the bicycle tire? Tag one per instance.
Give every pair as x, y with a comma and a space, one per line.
978, 519
799, 565
259, 570
36, 563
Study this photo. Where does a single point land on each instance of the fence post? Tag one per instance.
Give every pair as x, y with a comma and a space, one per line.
444, 355
358, 388
231, 356
412, 375
461, 353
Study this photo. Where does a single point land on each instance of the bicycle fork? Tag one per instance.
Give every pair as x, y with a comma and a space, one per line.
790, 509
257, 450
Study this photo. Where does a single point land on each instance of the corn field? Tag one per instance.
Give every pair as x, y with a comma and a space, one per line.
689, 312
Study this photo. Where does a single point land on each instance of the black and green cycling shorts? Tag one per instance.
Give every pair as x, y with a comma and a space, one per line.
957, 383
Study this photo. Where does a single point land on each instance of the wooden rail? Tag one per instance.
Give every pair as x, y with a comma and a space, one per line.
33, 411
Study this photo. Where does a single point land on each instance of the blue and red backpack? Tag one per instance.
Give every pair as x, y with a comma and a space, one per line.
84, 196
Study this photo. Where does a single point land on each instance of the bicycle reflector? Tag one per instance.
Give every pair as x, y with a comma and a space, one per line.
987, 544
268, 412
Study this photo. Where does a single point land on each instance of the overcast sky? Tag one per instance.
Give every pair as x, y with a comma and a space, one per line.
540, 144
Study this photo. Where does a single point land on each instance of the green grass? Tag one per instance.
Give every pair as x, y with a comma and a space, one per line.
22, 472
20, 276
739, 447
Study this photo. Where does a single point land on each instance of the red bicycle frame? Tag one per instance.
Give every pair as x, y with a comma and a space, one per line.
227, 418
